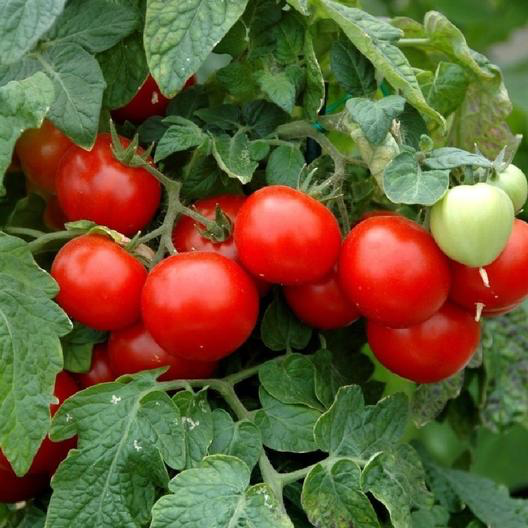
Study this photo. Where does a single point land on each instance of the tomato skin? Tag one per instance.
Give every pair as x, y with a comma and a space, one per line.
430, 351
285, 236
53, 216
40, 151
133, 349
100, 369
321, 304
393, 271
513, 182
148, 102
15, 489
378, 212
199, 305
507, 276
100, 283
186, 234
95, 186
472, 223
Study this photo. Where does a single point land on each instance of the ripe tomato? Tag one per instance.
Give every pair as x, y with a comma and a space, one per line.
133, 349
148, 101
186, 234
393, 271
378, 212
39, 151
472, 223
100, 369
321, 304
100, 283
513, 182
507, 277
199, 306
15, 489
53, 217
285, 236
430, 351
95, 186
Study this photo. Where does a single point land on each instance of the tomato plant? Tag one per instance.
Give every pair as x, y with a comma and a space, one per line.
100, 369
15, 489
513, 182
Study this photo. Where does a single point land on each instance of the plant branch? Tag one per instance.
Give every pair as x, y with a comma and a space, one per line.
36, 245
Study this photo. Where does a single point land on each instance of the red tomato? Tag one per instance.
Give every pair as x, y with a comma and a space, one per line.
40, 151
393, 271
285, 236
100, 283
100, 369
148, 101
95, 186
504, 281
321, 304
500, 311
53, 217
378, 212
133, 349
186, 234
430, 351
15, 489
199, 306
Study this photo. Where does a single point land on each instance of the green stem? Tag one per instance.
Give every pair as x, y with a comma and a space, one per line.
173, 204
24, 231
36, 245
414, 42
150, 236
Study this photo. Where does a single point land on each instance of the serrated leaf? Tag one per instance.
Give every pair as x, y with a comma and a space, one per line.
263, 117
451, 158
22, 24
77, 347
279, 88
397, 480
349, 428
234, 157
448, 88
284, 166
224, 117
240, 439
289, 38
285, 427
314, 94
23, 105
281, 330
237, 79
182, 134
332, 497
176, 45
406, 183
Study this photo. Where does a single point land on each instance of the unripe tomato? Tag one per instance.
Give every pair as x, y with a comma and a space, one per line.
502, 283
39, 151
513, 182
133, 349
472, 223
430, 351
321, 304
95, 186
100, 283
200, 306
285, 236
392, 270
15, 489
100, 369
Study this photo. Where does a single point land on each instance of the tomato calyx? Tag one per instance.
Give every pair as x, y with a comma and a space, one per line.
220, 229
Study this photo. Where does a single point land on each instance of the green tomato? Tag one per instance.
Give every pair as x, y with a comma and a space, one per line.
513, 182
472, 223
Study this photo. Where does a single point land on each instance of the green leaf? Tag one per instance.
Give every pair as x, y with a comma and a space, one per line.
352, 69
289, 38
125, 429
233, 156
30, 352
448, 88
77, 347
436, 517
22, 24
279, 87
23, 105
405, 182
349, 428
281, 330
314, 93
125, 69
241, 439
285, 166
263, 117
412, 126
291, 380
95, 25
224, 117
375, 117
451, 158
332, 497
182, 134
188, 101
180, 35
217, 493
286, 427
237, 79
303, 6
28, 212
397, 480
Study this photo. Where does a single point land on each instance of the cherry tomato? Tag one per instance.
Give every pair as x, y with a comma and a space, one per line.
199, 305
502, 283
100, 369
133, 349
15, 489
100, 283
40, 151
497, 312
285, 236
148, 101
513, 182
378, 212
472, 223
53, 217
95, 186
321, 304
430, 351
393, 271
186, 234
